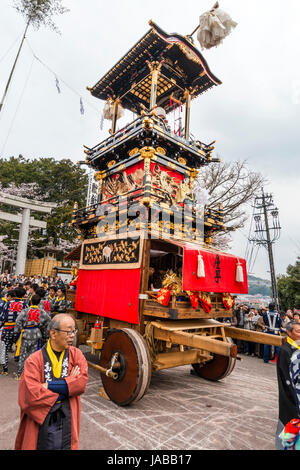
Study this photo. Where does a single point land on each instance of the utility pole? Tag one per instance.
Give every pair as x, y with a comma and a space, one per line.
267, 231
13, 68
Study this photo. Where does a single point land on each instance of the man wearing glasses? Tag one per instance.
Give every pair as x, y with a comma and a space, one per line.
49, 393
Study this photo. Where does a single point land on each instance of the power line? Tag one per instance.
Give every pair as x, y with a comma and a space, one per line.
254, 261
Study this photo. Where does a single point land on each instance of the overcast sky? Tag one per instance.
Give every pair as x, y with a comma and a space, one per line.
253, 115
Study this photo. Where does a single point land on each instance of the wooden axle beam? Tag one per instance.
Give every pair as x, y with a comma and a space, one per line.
196, 341
254, 336
111, 374
179, 358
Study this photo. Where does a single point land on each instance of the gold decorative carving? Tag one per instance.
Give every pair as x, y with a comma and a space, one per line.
184, 193
188, 53
123, 183
194, 174
147, 123
182, 161
147, 152
164, 181
133, 152
111, 163
100, 175
98, 254
161, 150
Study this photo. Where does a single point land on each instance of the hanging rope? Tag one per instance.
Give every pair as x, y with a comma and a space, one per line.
3, 57
62, 81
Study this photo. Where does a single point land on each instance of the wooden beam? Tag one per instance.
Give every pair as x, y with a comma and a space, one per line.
187, 324
254, 336
144, 281
196, 341
177, 358
111, 374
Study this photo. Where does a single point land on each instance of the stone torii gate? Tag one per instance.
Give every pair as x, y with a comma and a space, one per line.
25, 221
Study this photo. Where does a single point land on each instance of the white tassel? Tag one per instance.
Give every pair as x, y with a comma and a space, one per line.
239, 277
200, 269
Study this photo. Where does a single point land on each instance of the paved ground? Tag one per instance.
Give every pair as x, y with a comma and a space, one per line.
180, 411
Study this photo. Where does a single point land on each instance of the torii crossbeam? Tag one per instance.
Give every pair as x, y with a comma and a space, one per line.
25, 221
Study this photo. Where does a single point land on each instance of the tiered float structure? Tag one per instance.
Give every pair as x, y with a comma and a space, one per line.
145, 217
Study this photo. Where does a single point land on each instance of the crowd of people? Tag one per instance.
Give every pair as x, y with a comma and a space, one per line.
27, 306
264, 320
35, 328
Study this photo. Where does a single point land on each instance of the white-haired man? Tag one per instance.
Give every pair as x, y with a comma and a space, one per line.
49, 393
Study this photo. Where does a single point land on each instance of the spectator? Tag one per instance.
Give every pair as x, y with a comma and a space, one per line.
273, 324
240, 313
44, 303
290, 436
289, 314
31, 291
8, 286
7, 320
34, 322
285, 321
260, 327
288, 408
60, 304
50, 410
296, 317
250, 322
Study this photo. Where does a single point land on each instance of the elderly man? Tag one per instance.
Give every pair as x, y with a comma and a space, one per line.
49, 393
287, 399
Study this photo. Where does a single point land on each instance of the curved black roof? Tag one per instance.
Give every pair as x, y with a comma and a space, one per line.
183, 67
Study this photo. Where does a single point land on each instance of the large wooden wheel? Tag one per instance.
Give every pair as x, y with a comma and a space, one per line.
217, 368
133, 366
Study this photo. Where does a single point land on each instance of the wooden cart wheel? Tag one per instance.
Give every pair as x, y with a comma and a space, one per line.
134, 366
216, 369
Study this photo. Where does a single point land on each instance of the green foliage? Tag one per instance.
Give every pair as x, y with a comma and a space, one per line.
289, 287
62, 182
40, 12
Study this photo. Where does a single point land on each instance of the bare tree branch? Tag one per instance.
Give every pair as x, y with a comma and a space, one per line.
234, 185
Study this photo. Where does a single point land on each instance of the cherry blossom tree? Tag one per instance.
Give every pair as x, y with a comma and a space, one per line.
28, 190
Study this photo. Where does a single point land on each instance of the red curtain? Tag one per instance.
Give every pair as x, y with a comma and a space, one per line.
112, 293
220, 272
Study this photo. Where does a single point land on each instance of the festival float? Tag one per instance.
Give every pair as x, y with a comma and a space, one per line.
151, 222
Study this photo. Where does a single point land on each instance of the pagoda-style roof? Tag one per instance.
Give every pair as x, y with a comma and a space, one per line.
182, 68
74, 255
